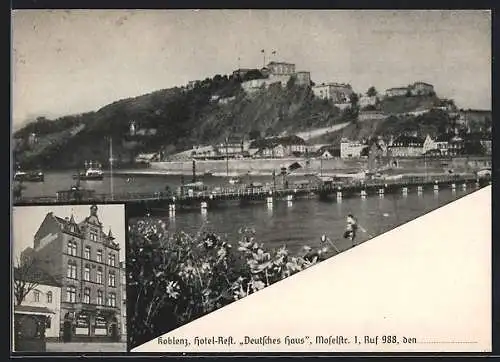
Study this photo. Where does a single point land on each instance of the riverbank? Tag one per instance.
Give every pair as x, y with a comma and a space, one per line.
391, 174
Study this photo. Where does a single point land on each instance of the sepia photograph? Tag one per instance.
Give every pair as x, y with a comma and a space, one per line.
68, 287
246, 146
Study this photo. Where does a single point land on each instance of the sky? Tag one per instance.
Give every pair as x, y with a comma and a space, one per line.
27, 219
73, 61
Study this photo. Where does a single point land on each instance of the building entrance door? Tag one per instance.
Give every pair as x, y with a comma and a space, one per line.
67, 331
114, 331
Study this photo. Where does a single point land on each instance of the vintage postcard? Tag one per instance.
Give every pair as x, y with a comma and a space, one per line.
286, 180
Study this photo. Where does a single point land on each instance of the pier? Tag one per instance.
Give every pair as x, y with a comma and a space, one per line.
244, 194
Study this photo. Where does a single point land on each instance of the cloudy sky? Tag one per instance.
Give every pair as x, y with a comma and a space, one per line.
67, 62
27, 219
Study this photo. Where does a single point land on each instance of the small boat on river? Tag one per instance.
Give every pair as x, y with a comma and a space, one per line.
29, 176
92, 172
235, 180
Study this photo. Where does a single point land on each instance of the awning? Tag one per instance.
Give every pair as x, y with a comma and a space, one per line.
27, 309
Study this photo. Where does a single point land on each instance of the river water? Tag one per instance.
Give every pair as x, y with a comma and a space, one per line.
297, 223
302, 222
122, 183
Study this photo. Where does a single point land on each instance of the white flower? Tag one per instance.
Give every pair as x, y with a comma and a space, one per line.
221, 253
257, 285
282, 251
187, 271
172, 290
205, 267
244, 245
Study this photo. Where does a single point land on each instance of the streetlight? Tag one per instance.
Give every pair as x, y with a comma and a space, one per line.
111, 167
227, 158
194, 170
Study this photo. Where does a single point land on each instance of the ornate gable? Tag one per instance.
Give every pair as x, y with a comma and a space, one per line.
93, 218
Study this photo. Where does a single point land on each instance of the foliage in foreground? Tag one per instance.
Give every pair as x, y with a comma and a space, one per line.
174, 279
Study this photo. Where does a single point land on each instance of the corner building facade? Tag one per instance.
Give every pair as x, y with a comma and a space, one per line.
86, 261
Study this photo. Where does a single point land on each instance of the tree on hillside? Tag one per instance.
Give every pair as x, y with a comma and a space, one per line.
354, 98
252, 74
474, 148
371, 92
365, 151
254, 134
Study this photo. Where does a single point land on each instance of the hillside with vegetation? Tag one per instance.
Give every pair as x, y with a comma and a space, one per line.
180, 117
434, 123
403, 104
212, 110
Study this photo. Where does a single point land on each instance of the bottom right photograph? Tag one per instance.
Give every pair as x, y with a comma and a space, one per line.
398, 292
188, 259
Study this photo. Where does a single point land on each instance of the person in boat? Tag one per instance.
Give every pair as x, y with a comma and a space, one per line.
351, 228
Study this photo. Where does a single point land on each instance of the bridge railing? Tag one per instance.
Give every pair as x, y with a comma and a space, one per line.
241, 190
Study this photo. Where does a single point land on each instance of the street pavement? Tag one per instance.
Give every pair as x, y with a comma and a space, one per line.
86, 347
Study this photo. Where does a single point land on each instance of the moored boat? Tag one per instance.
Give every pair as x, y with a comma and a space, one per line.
92, 172
235, 180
